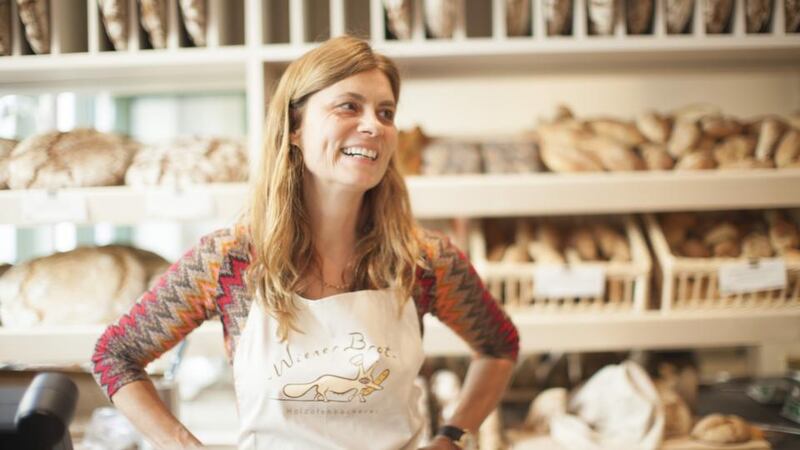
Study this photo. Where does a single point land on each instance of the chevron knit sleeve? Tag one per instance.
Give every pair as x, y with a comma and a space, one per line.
452, 291
179, 302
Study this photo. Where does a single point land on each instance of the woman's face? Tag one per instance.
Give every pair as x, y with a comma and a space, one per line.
347, 133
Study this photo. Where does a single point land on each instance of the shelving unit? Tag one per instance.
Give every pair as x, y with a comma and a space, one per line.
251, 42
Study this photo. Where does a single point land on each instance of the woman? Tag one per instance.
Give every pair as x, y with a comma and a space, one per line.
322, 287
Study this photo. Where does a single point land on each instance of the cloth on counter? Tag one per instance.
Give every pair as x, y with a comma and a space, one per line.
617, 408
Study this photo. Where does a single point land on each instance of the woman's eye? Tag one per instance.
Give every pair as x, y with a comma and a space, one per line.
388, 114
348, 106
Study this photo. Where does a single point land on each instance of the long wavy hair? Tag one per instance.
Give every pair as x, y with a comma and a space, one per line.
387, 246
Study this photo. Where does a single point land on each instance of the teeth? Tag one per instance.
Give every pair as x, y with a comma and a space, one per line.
360, 151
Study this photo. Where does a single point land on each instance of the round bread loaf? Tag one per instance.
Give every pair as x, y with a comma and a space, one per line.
6, 146
720, 429
77, 158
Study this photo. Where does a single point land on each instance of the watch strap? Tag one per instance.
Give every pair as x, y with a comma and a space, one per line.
451, 432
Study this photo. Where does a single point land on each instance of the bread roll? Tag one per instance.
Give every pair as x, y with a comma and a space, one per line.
624, 132
516, 253
186, 161
792, 16
769, 133
719, 429
652, 125
399, 16
35, 16
696, 161
734, 148
758, 13
115, 20
6, 147
696, 111
656, 157
612, 154
77, 158
685, 135
788, 149
153, 15
569, 159
720, 126
694, 248
783, 233
194, 19
5, 27
679, 14
545, 254
49, 291
718, 15
720, 232
613, 244
756, 245
726, 249
639, 16
582, 240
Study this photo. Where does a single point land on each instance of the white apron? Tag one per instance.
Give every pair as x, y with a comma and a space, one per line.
346, 382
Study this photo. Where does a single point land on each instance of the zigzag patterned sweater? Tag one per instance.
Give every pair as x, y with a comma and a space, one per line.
208, 282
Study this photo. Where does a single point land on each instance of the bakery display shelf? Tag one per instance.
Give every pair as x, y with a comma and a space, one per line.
434, 197
181, 69
121, 204
538, 333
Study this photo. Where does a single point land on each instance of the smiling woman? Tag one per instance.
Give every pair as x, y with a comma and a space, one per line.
322, 285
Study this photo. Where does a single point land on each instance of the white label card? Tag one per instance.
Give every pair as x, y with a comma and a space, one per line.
176, 204
564, 281
54, 206
758, 275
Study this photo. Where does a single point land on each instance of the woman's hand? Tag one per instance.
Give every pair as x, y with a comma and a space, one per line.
440, 443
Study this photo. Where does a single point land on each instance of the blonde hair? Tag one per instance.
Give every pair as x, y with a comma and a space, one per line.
387, 250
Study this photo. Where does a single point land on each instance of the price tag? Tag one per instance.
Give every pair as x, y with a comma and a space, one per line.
54, 206
564, 281
178, 204
757, 275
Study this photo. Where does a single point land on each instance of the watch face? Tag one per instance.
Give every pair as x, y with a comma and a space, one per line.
467, 441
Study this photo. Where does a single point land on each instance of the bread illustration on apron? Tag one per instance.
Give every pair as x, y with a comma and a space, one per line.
362, 385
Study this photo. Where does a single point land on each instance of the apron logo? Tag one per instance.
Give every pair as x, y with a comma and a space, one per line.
360, 386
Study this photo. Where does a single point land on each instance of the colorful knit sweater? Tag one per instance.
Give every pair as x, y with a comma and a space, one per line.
208, 281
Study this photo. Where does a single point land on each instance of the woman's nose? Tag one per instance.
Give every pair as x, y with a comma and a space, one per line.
369, 123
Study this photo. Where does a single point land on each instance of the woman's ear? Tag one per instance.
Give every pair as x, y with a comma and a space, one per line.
294, 137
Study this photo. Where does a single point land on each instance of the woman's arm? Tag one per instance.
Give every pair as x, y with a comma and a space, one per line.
140, 403
453, 292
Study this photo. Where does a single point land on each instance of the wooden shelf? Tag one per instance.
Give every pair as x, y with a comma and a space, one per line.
446, 196
539, 332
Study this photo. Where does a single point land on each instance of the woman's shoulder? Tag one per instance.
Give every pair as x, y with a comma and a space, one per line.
232, 239
434, 244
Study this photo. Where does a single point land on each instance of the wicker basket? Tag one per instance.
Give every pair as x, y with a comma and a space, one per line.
626, 283
692, 283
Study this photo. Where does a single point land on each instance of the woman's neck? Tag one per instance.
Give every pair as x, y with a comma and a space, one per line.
334, 217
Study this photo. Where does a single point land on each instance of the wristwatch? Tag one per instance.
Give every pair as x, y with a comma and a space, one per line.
461, 438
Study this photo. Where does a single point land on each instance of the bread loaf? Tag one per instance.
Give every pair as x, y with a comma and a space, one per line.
518, 17
685, 135
726, 249
50, 291
440, 17
582, 240
679, 14
612, 154
613, 244
792, 16
720, 127
153, 14
656, 157
769, 133
783, 233
35, 16
756, 245
6, 147
194, 19
718, 15
399, 15
677, 415
601, 16
788, 149
696, 161
621, 131
694, 248
720, 232
734, 148
639, 16
719, 429
115, 19
77, 158
695, 112
5, 27
569, 159
653, 126
558, 15
189, 161
409, 150
758, 13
